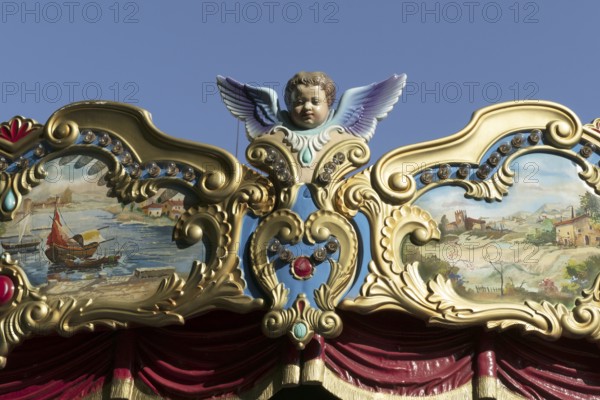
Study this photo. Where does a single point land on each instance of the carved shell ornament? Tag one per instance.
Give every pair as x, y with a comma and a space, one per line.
183, 228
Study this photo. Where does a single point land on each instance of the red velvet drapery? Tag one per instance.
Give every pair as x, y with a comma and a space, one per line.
223, 353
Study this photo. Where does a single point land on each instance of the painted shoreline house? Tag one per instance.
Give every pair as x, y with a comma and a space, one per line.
577, 231
173, 209
153, 210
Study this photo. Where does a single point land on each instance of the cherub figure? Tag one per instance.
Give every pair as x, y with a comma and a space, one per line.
309, 97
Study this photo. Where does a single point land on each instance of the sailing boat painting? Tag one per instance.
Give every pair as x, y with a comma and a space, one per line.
77, 250
25, 242
69, 236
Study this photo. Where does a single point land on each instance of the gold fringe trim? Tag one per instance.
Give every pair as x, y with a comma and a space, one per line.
97, 395
143, 392
489, 387
486, 388
313, 372
264, 389
290, 375
122, 389
347, 391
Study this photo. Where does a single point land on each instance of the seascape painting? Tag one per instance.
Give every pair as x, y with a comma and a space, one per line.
542, 242
72, 239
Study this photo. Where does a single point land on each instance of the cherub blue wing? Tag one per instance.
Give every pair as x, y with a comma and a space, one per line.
361, 108
258, 107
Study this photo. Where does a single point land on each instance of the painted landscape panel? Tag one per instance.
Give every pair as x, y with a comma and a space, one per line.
71, 239
542, 242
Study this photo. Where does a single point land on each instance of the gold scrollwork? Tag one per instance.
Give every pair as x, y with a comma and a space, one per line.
345, 156
15, 186
280, 159
301, 321
584, 319
357, 194
406, 221
319, 227
225, 191
564, 133
27, 312
199, 221
61, 133
392, 175
393, 284
220, 173
288, 227
256, 194
497, 186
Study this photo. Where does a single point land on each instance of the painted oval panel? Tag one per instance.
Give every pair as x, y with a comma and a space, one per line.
73, 240
542, 242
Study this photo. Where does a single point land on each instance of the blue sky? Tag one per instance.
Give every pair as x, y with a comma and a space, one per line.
164, 56
554, 186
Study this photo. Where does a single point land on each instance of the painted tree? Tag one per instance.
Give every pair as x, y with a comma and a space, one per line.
590, 204
500, 270
443, 224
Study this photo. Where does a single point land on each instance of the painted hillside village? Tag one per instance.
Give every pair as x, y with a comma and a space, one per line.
551, 253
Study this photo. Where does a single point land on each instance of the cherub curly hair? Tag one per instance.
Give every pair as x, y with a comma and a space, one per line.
310, 79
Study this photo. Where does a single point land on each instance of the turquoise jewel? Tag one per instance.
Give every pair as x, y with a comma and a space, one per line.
300, 330
10, 201
306, 156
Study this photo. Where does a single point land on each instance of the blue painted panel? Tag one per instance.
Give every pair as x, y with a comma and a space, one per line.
304, 207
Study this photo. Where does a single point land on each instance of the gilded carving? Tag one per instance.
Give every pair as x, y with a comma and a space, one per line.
241, 224
120, 144
301, 320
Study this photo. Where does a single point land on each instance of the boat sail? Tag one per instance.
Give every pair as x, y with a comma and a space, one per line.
25, 243
61, 247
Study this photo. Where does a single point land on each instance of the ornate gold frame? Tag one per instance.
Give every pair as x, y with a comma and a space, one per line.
390, 188
225, 192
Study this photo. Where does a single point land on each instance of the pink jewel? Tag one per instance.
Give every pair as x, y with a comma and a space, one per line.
7, 289
302, 267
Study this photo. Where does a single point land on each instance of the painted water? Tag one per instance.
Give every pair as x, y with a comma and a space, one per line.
139, 244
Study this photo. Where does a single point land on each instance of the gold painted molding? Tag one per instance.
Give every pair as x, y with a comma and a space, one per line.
392, 175
123, 137
222, 195
398, 179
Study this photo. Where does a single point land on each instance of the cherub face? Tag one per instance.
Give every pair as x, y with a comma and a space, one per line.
310, 108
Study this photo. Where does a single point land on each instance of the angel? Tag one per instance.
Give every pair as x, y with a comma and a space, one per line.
309, 97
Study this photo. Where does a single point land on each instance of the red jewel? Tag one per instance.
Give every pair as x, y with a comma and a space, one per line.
302, 267
7, 289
